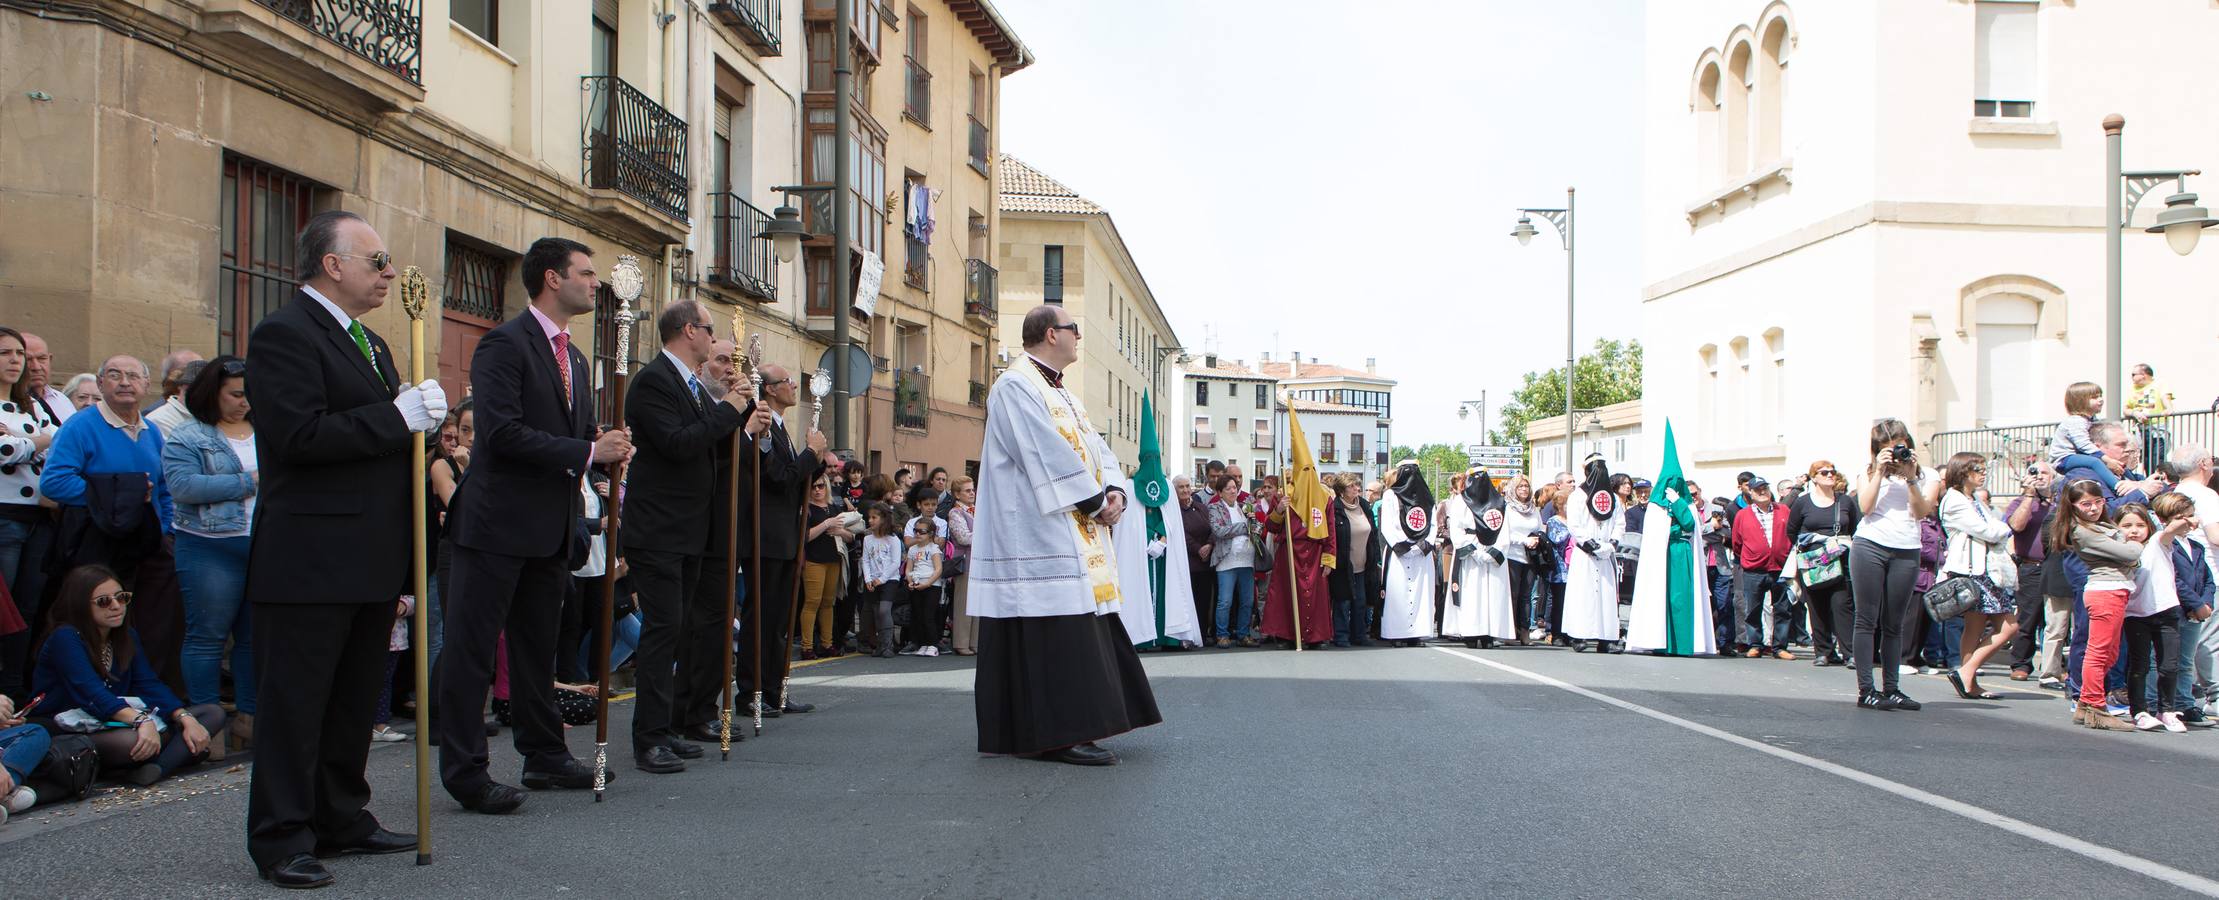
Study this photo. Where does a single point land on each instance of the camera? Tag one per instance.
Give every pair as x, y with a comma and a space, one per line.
1902, 454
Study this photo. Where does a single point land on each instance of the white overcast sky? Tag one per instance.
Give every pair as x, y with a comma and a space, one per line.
1340, 178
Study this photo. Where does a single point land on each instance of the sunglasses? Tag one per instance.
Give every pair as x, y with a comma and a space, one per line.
1072, 327
111, 601
1825, 473
380, 260
776, 382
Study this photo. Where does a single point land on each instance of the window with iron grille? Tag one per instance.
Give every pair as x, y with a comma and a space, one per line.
474, 280
264, 210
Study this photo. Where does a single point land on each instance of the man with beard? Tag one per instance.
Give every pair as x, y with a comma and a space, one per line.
1591, 579
1479, 601
1406, 518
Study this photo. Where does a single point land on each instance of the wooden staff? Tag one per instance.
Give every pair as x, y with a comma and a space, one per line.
1294, 584
755, 534
625, 282
820, 382
415, 298
731, 559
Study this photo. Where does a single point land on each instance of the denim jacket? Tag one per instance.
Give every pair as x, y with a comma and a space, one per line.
206, 480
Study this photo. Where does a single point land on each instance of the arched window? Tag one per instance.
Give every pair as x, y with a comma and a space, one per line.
1739, 410
1771, 90
1775, 384
2010, 319
1739, 71
1708, 400
1710, 137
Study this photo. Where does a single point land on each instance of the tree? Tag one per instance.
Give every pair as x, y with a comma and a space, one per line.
1437, 461
1610, 374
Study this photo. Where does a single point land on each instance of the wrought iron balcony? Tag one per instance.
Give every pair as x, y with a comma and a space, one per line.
755, 20
912, 399
739, 259
1259, 441
917, 95
389, 33
981, 289
978, 145
1202, 440
633, 145
978, 394
916, 270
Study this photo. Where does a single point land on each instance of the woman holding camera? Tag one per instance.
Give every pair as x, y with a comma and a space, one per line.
1822, 521
1895, 493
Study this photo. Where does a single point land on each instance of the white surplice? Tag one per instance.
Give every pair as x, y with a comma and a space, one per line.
1649, 628
1133, 562
1479, 605
1025, 558
1591, 580
1410, 575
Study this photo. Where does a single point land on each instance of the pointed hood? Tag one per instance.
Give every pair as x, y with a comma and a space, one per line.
1150, 485
1415, 498
1485, 502
1601, 502
1306, 495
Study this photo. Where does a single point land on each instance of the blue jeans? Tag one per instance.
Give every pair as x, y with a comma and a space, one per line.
1756, 586
1945, 638
1236, 594
212, 578
1722, 606
1351, 618
2191, 634
622, 643
22, 748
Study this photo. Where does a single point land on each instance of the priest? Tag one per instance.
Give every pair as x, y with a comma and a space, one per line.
1406, 521
1152, 553
1671, 598
1300, 566
1591, 578
1479, 598
1056, 669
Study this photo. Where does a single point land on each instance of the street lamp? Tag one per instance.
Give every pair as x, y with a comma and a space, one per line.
785, 233
2182, 223
1464, 409
1524, 232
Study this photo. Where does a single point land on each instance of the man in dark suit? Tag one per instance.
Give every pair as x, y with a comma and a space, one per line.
513, 523
787, 471
331, 549
705, 631
667, 511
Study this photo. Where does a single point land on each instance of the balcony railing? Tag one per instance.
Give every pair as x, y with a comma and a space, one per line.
1202, 440
634, 146
755, 20
981, 289
1380, 458
740, 259
978, 394
916, 269
2010, 449
978, 145
912, 399
389, 33
1259, 441
917, 95
1326, 455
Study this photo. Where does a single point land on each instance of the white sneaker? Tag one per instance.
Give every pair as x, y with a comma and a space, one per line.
928, 650
2145, 722
1906, 670
2173, 723
24, 798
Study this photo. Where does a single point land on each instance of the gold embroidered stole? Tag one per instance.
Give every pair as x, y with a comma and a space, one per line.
1071, 423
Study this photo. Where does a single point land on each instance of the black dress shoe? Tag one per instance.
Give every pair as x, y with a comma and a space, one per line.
299, 871
707, 733
495, 799
1081, 755
793, 707
657, 760
572, 775
683, 749
379, 841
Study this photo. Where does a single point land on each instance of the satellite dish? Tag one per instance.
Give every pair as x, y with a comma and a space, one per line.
858, 367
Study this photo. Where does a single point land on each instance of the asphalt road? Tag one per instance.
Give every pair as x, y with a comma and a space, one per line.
1411, 772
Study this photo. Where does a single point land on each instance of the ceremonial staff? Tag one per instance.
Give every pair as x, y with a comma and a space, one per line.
415, 297
754, 367
625, 282
820, 384
731, 559
1294, 583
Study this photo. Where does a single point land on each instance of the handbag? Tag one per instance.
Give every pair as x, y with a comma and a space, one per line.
1825, 561
1953, 595
68, 771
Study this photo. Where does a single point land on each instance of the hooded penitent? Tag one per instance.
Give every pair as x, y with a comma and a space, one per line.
1416, 501
1601, 501
1486, 505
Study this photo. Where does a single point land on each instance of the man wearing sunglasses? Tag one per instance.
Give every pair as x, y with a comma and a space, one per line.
331, 551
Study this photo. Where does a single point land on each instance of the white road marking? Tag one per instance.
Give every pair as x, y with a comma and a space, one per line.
2138, 865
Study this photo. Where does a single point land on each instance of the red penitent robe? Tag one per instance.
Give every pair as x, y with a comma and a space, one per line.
1308, 565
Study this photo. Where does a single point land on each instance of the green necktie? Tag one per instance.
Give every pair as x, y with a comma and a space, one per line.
362, 340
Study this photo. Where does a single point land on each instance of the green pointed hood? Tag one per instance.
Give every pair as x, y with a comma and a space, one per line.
1150, 485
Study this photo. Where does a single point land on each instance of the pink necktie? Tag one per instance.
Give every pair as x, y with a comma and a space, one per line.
562, 363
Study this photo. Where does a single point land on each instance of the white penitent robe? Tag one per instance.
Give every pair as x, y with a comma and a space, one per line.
1144, 601
1408, 611
1479, 605
1591, 580
1649, 628
1026, 559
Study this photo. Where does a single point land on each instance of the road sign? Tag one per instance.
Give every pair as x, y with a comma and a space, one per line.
1497, 457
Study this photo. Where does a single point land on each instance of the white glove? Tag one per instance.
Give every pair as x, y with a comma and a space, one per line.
1156, 548
435, 399
411, 404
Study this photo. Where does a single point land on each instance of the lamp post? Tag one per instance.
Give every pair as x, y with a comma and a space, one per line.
1524, 232
785, 231
2182, 223
1465, 408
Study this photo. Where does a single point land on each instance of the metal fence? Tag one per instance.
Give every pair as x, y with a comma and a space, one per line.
389, 33
634, 145
740, 258
2012, 449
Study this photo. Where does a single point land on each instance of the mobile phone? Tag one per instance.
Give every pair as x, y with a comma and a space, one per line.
24, 711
